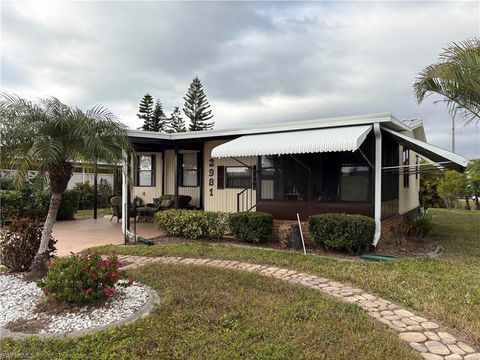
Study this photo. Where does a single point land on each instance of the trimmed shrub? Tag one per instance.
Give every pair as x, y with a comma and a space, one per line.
81, 278
217, 223
192, 224
253, 227
19, 243
342, 232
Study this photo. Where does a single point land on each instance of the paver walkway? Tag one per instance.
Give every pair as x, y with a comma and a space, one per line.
421, 334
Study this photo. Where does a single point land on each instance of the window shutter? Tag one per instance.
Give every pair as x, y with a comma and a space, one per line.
220, 177
154, 172
137, 171
254, 176
199, 167
180, 169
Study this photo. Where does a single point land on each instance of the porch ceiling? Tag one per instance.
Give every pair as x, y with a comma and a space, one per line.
348, 138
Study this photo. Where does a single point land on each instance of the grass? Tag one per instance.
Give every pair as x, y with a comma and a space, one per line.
446, 289
209, 313
101, 212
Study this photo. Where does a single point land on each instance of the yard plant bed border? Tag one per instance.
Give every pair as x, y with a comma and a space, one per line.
141, 312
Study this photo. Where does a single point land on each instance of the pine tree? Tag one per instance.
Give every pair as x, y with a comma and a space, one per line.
145, 112
196, 107
176, 121
159, 120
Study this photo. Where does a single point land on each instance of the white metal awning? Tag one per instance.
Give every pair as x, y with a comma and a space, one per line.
445, 159
348, 138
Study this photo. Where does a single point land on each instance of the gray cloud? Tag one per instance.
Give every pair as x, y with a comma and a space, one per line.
259, 62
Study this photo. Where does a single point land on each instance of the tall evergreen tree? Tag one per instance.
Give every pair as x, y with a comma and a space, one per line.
176, 121
196, 107
145, 112
159, 120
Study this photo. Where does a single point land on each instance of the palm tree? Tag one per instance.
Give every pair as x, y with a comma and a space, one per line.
51, 137
456, 77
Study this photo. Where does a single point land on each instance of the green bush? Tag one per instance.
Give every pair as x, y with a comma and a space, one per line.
84, 194
68, 206
19, 243
253, 227
217, 223
191, 224
342, 232
31, 204
81, 278
420, 226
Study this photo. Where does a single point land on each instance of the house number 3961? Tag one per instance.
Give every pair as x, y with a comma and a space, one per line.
211, 175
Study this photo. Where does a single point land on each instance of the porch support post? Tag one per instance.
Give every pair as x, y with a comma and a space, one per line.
124, 193
378, 183
176, 170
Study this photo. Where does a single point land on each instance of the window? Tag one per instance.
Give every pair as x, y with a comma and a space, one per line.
354, 181
406, 170
327, 177
238, 177
417, 168
235, 177
145, 175
189, 170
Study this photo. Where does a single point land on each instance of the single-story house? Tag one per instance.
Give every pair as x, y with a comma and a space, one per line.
366, 164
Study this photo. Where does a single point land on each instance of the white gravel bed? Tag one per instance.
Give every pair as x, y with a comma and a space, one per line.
19, 298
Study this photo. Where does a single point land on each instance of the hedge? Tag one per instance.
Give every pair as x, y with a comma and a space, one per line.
342, 232
21, 204
253, 227
192, 224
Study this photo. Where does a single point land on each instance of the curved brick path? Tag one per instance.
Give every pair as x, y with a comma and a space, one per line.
422, 335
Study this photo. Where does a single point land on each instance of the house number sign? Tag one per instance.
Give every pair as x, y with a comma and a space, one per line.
211, 175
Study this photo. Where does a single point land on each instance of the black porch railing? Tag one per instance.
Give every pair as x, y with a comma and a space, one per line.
246, 200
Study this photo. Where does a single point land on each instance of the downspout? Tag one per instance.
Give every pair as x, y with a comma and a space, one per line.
378, 183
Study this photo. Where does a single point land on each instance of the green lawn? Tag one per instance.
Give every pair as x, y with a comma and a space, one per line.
446, 289
101, 212
227, 314
209, 313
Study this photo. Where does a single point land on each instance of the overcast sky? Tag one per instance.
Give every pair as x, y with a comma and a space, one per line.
260, 62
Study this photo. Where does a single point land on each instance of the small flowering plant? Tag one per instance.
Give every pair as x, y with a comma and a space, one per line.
82, 278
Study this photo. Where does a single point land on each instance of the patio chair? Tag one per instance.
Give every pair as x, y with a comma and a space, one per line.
162, 203
116, 206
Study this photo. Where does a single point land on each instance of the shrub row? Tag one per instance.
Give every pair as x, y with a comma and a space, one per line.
31, 204
342, 232
192, 224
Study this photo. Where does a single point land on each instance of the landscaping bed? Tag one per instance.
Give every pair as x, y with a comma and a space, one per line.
23, 310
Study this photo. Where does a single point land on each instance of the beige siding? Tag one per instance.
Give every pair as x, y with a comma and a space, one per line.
221, 199
147, 193
408, 197
194, 192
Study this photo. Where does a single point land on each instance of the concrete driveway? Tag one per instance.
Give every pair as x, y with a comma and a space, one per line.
77, 235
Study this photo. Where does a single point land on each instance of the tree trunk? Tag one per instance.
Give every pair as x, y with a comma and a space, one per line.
59, 177
39, 264
467, 205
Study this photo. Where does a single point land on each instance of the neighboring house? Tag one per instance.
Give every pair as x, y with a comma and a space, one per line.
365, 165
81, 175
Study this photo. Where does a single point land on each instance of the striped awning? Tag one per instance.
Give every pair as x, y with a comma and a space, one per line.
348, 138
